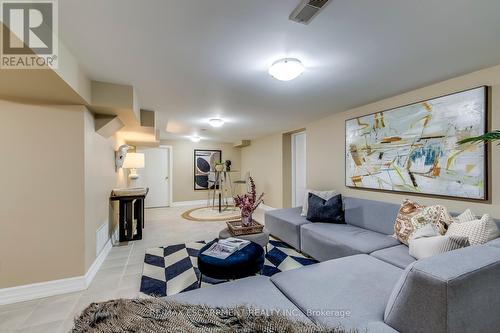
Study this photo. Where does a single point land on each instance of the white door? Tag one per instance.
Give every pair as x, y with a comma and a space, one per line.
155, 176
298, 168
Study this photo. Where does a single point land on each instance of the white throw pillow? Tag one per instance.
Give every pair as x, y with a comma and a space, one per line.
424, 247
491, 227
325, 195
477, 231
466, 216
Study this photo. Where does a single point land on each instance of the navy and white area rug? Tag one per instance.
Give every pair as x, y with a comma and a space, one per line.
173, 269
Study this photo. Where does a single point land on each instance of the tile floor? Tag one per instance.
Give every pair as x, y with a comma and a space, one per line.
118, 277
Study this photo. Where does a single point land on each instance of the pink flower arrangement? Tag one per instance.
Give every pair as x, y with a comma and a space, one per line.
248, 203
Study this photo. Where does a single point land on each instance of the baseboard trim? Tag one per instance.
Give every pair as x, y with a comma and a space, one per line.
194, 203
90, 275
56, 287
266, 207
189, 203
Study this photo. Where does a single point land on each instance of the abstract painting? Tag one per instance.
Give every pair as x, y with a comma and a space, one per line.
204, 162
414, 148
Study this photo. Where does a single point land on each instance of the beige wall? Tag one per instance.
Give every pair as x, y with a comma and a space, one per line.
57, 177
266, 158
42, 197
100, 179
183, 166
263, 159
325, 142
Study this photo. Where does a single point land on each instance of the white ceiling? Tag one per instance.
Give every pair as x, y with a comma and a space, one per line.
195, 59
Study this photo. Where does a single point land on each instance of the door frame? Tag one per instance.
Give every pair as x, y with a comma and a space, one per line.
292, 139
170, 172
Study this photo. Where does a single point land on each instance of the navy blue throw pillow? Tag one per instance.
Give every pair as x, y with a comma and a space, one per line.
321, 210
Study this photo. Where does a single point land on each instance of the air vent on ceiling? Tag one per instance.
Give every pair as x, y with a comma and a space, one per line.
307, 10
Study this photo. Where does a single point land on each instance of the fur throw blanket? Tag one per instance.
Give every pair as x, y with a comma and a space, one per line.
158, 316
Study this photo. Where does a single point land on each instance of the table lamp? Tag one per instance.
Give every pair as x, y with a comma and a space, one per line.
133, 161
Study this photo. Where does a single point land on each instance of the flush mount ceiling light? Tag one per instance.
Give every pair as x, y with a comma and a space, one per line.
216, 122
286, 69
195, 138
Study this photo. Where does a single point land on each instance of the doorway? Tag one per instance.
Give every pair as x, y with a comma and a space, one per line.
298, 168
156, 175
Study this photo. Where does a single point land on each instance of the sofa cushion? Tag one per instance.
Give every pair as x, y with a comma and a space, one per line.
369, 214
350, 291
321, 210
257, 291
285, 225
456, 291
395, 255
324, 241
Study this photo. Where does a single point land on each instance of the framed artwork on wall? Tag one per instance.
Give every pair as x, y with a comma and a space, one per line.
413, 149
204, 162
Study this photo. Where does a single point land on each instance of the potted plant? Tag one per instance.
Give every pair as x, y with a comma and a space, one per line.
488, 137
248, 203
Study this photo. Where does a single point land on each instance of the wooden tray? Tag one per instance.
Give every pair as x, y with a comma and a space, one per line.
236, 229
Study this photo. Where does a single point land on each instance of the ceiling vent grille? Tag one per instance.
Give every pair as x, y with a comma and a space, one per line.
307, 10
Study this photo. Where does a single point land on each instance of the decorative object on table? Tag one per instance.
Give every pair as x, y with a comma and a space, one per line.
413, 148
261, 238
228, 165
326, 195
221, 265
403, 228
219, 166
134, 161
248, 203
237, 228
157, 315
173, 269
209, 214
131, 212
204, 162
223, 248
321, 210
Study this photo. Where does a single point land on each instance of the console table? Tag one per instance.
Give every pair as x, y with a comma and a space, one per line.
131, 209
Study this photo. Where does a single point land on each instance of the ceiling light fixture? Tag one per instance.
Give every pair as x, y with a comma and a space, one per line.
286, 69
195, 138
216, 122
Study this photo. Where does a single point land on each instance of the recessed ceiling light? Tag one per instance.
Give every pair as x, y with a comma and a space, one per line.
195, 138
216, 122
286, 69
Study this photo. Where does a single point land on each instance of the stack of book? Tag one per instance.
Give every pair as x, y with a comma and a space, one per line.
225, 247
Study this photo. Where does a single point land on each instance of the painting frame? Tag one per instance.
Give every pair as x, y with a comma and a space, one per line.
195, 175
486, 90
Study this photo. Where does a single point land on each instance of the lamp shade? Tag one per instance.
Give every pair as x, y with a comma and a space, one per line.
134, 161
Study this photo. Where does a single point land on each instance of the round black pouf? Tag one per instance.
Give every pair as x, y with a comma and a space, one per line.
242, 263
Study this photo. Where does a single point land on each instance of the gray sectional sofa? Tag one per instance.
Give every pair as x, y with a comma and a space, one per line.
367, 280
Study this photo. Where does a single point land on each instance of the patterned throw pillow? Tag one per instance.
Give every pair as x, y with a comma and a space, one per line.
466, 216
436, 215
492, 227
476, 231
403, 227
